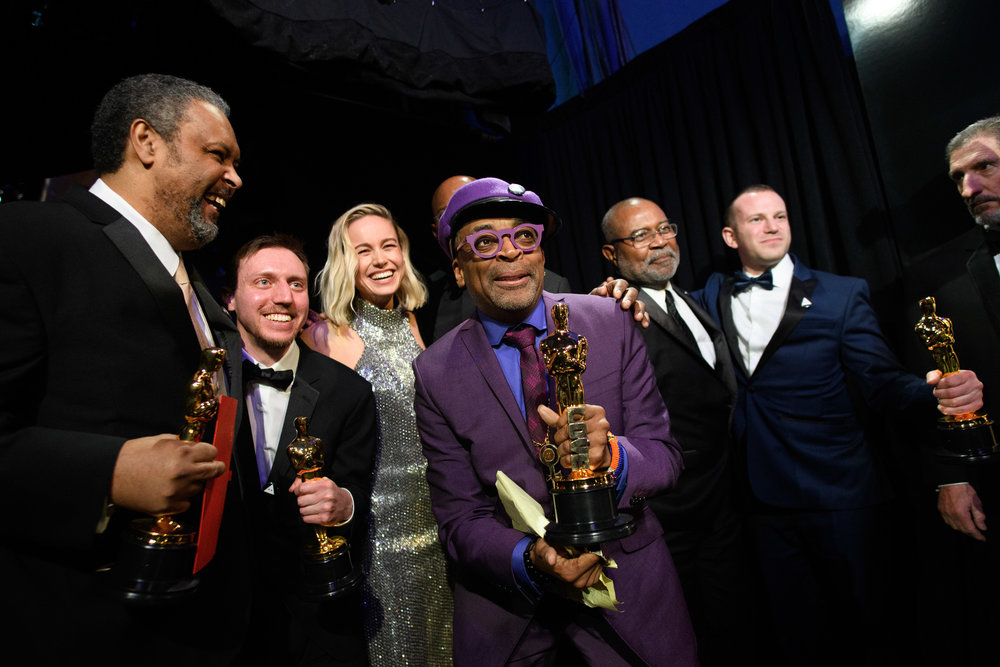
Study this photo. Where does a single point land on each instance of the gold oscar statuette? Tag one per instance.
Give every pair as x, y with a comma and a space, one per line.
158, 552
326, 567
583, 499
968, 436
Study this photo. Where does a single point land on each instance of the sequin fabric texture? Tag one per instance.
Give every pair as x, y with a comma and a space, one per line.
408, 606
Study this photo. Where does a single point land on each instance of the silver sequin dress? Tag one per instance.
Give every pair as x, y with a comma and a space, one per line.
408, 605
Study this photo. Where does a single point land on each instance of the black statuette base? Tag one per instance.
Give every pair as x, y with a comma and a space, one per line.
586, 517
149, 575
968, 441
328, 578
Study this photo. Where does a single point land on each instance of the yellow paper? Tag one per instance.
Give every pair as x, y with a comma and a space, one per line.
526, 515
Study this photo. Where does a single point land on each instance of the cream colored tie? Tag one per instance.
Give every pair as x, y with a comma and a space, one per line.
191, 301
182, 279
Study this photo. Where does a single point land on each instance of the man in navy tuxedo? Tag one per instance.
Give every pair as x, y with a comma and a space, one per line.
804, 343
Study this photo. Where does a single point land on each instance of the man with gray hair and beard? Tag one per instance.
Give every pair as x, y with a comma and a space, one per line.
964, 278
970, 297
694, 374
102, 330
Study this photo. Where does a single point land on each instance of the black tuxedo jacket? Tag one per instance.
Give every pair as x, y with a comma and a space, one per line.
341, 411
962, 276
700, 400
96, 347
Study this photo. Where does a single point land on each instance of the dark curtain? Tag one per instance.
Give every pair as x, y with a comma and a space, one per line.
758, 91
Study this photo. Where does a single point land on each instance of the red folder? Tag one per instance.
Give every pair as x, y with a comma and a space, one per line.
215, 489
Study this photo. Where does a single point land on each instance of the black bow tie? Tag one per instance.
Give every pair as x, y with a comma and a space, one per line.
277, 379
745, 282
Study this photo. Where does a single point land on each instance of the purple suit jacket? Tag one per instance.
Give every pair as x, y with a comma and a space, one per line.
471, 427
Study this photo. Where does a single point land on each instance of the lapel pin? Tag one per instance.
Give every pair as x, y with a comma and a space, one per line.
269, 489
806, 302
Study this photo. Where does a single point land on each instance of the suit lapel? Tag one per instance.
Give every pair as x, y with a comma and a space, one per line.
798, 293
983, 271
723, 360
725, 306
226, 336
166, 294
301, 403
483, 358
660, 317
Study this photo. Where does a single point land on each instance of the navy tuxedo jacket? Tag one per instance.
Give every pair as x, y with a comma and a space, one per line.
471, 427
805, 445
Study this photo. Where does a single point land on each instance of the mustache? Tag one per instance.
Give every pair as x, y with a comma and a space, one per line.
224, 192
980, 199
666, 252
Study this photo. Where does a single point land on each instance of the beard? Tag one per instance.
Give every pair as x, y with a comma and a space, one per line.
650, 274
202, 230
183, 214
989, 220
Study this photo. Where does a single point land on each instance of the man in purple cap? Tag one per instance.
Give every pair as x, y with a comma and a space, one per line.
480, 409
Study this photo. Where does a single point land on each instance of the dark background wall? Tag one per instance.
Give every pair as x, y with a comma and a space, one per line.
927, 69
863, 172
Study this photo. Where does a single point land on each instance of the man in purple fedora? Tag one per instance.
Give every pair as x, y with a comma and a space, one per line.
481, 406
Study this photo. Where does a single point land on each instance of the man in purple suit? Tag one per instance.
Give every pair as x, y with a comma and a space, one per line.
479, 414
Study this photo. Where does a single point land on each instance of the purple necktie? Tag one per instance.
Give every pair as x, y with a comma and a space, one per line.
533, 378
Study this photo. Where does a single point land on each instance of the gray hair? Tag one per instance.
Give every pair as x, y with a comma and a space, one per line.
159, 99
990, 126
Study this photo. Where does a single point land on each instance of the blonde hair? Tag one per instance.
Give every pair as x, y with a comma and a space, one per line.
336, 279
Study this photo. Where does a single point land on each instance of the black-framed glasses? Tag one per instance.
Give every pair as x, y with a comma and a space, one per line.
641, 238
487, 243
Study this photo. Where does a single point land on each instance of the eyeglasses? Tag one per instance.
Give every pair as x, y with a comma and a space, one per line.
488, 243
643, 237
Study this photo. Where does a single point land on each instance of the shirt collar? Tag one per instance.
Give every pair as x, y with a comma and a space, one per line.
288, 362
157, 242
495, 330
781, 273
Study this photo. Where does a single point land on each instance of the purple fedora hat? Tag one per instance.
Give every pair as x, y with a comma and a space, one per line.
492, 198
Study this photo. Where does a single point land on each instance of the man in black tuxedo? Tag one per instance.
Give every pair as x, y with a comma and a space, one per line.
963, 277
270, 300
695, 376
100, 335
966, 283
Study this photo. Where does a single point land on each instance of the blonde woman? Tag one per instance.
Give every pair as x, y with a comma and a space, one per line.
369, 291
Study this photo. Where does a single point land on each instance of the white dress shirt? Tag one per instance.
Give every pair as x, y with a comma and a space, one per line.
705, 345
267, 406
156, 241
757, 313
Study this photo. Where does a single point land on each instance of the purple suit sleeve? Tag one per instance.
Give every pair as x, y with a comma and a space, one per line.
465, 509
643, 425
